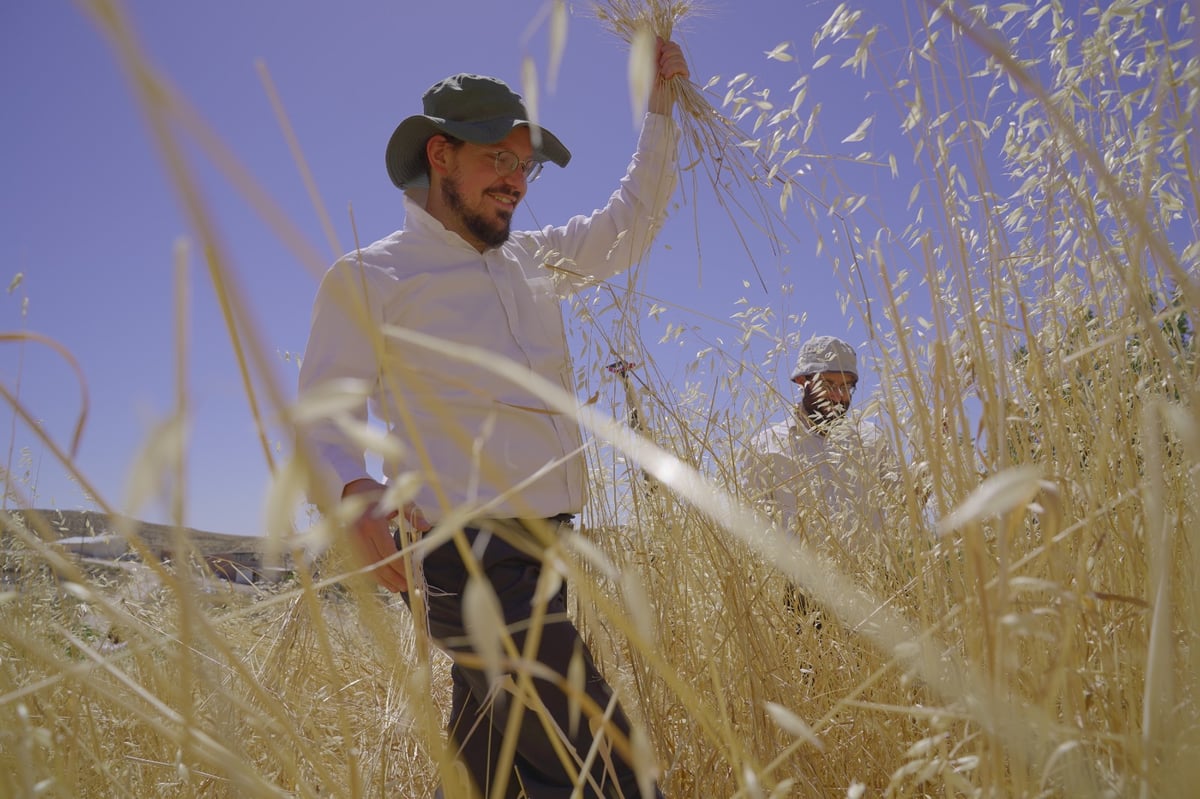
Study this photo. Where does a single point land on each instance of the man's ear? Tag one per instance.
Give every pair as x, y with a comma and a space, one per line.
437, 152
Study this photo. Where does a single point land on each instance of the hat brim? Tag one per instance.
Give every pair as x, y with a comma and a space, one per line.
406, 167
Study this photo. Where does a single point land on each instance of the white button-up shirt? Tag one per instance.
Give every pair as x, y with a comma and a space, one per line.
468, 435
831, 485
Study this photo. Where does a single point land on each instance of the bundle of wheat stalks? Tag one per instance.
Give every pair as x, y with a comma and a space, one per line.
1026, 624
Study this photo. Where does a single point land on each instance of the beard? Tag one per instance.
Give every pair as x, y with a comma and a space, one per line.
492, 233
820, 409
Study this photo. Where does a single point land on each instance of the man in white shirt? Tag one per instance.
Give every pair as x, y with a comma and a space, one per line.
466, 439
822, 472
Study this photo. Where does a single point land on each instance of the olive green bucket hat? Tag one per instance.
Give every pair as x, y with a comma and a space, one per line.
473, 108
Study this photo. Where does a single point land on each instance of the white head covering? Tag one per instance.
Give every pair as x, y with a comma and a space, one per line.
825, 354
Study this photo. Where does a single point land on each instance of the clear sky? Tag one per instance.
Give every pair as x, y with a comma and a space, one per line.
89, 218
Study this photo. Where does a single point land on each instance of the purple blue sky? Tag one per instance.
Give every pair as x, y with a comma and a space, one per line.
89, 218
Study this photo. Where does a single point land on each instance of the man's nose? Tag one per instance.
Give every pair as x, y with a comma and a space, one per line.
516, 180
515, 187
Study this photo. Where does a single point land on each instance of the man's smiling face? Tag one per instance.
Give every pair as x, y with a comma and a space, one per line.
481, 202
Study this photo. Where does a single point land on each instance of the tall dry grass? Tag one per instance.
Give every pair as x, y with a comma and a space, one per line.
1026, 624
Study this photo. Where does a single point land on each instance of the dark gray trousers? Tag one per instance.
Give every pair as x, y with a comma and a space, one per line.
479, 715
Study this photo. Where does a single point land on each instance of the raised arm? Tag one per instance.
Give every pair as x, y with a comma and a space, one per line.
671, 64
613, 238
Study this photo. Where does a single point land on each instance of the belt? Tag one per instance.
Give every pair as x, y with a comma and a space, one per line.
558, 520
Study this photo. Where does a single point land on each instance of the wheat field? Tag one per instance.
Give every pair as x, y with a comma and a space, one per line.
1028, 622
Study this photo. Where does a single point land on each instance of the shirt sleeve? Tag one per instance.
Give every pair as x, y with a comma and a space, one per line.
340, 370
613, 238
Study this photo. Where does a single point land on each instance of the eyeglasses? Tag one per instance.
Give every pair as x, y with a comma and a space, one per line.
507, 162
822, 381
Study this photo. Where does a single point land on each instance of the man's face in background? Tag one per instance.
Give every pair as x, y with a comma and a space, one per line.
825, 396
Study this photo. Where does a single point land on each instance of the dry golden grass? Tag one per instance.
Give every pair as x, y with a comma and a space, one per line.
1028, 626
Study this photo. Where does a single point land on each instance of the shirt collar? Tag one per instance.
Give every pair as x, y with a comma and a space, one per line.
418, 220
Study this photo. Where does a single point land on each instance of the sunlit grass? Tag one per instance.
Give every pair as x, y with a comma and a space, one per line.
1025, 626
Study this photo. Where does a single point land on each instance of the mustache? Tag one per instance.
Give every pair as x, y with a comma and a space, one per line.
505, 190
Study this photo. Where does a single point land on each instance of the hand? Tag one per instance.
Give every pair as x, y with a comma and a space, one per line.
371, 535
671, 65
